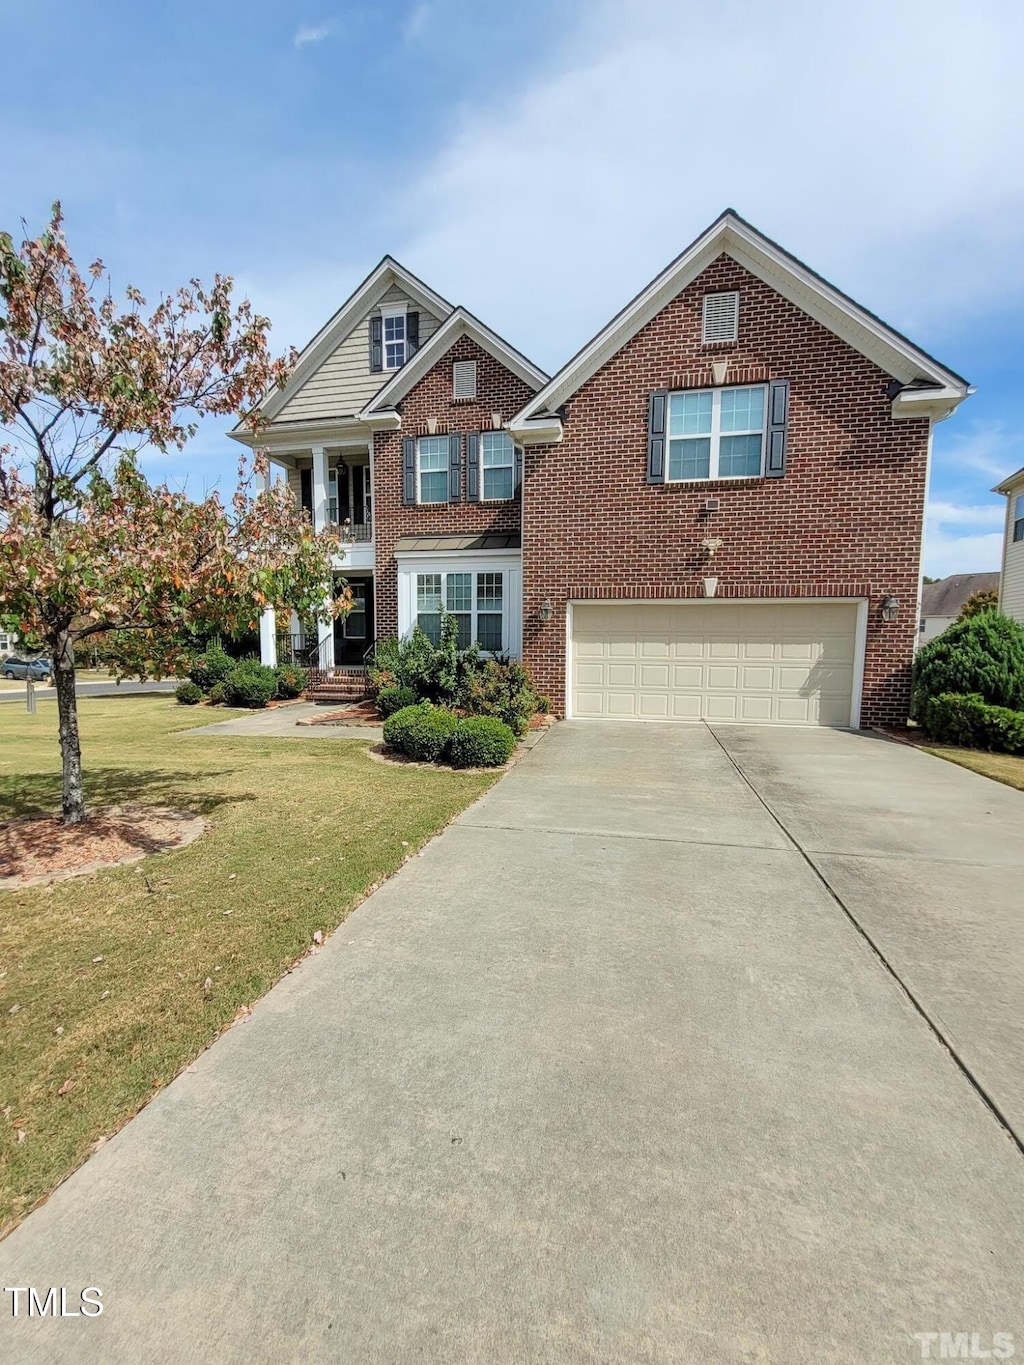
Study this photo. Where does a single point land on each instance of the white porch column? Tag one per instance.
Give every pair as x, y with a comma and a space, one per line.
325, 638
319, 488
268, 621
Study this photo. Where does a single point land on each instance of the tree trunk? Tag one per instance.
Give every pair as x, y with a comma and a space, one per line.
73, 800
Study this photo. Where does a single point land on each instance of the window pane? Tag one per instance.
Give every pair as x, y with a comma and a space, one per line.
460, 592
689, 414
430, 626
497, 483
434, 487
488, 592
465, 635
496, 448
394, 328
488, 631
394, 356
739, 455
432, 453
428, 592
689, 459
742, 409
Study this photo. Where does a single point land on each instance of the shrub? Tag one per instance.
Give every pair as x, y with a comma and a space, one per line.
985, 600
503, 690
188, 694
211, 668
480, 742
971, 722
216, 696
421, 732
291, 681
394, 698
250, 684
983, 655
432, 672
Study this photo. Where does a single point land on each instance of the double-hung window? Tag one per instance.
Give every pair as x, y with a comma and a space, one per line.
394, 339
497, 460
476, 600
716, 433
432, 461
1018, 517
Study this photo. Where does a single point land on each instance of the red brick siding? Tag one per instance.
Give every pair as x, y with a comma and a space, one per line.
845, 520
498, 390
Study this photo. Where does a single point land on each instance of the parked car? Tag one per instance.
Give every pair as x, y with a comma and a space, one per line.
39, 670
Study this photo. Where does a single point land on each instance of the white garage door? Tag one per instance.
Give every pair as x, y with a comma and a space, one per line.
766, 663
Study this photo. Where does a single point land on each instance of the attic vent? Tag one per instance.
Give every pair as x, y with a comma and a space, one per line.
464, 379
721, 317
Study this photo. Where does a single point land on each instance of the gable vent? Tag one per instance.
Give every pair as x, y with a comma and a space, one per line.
721, 317
464, 379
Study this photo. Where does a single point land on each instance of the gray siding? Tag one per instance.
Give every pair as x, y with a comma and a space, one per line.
1011, 592
344, 384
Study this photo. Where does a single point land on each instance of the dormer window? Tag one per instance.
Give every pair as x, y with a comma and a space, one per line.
721, 320
394, 321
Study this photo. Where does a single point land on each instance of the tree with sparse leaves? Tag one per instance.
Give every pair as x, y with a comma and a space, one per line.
985, 600
88, 546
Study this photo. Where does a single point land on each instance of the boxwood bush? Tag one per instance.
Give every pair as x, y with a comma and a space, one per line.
481, 742
215, 696
210, 668
394, 698
982, 656
250, 684
188, 693
421, 732
971, 722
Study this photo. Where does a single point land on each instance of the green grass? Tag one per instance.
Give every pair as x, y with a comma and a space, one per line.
300, 829
1008, 768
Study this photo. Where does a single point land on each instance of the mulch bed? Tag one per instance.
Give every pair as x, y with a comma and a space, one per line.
39, 849
360, 713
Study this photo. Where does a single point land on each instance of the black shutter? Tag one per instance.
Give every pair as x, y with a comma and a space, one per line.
473, 467
455, 467
408, 468
412, 334
656, 409
306, 490
376, 345
517, 478
778, 422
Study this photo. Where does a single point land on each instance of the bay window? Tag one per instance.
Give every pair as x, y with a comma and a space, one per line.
476, 600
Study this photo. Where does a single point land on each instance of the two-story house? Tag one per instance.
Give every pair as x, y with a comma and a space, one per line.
1011, 576
713, 511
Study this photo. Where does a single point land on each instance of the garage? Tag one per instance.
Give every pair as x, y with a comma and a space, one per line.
757, 663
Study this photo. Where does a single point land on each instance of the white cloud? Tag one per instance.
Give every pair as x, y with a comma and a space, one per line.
418, 18
306, 34
989, 448
955, 540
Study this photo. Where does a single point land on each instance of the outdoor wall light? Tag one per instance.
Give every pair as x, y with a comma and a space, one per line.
890, 608
546, 610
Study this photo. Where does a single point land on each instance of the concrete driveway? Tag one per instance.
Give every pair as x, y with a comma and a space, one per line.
610, 1073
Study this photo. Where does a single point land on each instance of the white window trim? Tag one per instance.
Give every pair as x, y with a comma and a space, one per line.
715, 434
434, 502
1016, 517
465, 561
396, 310
512, 466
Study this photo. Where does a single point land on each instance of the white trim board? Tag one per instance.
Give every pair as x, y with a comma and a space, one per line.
507, 562
732, 236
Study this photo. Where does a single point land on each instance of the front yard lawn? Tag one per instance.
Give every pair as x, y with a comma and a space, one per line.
1008, 768
102, 978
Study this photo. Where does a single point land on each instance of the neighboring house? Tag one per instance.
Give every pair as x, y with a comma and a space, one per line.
6, 643
1011, 582
943, 601
713, 511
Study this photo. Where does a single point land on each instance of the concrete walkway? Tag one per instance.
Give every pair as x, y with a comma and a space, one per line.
283, 723
608, 1074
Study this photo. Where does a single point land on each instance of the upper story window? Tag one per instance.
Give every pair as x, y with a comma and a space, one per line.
497, 461
716, 434
721, 318
395, 337
432, 461
464, 379
1018, 517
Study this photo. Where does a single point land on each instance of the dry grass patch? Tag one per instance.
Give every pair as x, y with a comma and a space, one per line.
103, 979
1007, 768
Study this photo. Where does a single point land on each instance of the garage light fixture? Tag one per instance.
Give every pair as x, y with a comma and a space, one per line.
546, 610
890, 608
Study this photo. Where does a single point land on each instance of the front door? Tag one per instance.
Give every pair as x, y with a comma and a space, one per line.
354, 634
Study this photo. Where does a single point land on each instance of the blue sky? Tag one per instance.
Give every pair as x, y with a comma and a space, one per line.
539, 162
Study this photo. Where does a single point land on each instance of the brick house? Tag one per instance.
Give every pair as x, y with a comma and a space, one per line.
713, 511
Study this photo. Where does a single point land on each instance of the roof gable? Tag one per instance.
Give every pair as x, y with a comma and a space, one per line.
930, 386
383, 278
948, 595
459, 323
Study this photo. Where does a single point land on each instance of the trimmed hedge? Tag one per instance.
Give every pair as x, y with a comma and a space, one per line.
215, 696
982, 656
971, 722
250, 685
421, 732
481, 742
211, 668
188, 694
394, 698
